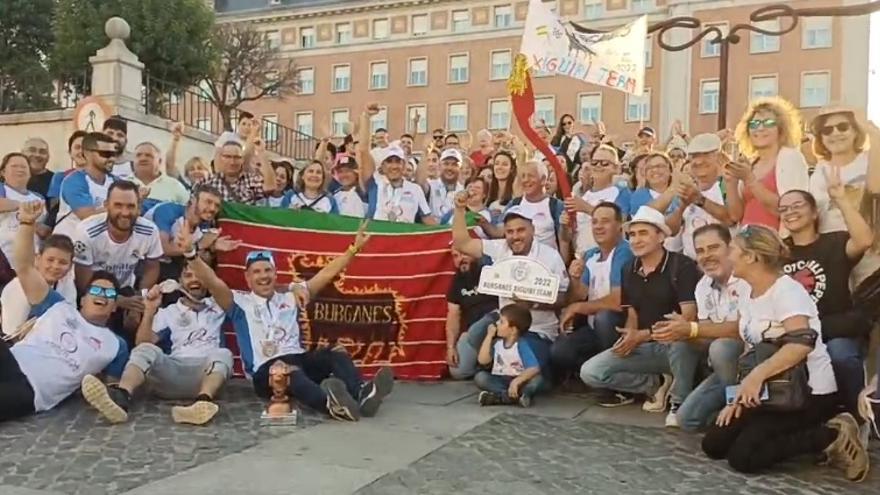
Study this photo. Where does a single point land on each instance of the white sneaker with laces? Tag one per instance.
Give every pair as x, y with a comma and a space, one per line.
657, 403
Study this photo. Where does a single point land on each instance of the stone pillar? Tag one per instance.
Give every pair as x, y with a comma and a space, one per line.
675, 77
116, 71
854, 67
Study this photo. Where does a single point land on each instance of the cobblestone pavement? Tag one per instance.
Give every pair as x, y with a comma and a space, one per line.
528, 455
72, 450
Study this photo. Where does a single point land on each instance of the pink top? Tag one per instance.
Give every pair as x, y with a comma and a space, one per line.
754, 212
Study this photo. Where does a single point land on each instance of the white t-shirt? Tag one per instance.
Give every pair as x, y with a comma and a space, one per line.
191, 333
542, 220
94, 248
441, 198
396, 204
584, 239
9, 220
350, 203
543, 321
761, 317
265, 328
695, 217
62, 348
720, 303
123, 171
16, 308
853, 177
274, 201
297, 200
78, 190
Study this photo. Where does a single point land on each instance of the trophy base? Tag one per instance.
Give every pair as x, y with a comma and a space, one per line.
288, 419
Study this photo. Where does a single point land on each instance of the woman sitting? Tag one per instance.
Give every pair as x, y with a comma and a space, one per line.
310, 192
746, 433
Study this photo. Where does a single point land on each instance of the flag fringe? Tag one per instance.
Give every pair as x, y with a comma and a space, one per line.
518, 80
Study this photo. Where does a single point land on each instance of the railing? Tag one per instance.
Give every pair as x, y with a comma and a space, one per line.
288, 142
18, 96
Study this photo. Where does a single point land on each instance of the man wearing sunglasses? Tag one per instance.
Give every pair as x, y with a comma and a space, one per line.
84, 191
267, 328
62, 345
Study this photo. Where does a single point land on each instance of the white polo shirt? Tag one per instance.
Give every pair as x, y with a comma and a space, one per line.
720, 302
190, 333
396, 204
442, 197
695, 217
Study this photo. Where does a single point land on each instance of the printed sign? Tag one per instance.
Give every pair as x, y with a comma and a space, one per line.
521, 278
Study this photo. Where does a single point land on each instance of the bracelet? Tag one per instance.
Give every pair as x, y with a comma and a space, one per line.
31, 224
190, 255
352, 249
695, 330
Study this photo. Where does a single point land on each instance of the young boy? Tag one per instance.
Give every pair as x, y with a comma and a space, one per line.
516, 374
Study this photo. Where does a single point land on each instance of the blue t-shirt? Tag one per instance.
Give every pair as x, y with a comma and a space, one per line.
642, 197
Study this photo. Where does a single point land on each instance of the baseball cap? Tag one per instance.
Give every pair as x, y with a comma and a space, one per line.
226, 137
451, 153
647, 130
393, 151
345, 161
704, 143
516, 211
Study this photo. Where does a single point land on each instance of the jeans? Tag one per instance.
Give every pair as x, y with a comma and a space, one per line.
16, 393
638, 372
468, 346
310, 369
498, 384
847, 361
571, 351
700, 408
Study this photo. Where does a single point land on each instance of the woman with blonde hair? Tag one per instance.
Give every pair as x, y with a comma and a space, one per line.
768, 136
748, 433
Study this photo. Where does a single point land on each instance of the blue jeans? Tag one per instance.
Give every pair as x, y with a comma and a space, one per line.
498, 384
571, 351
468, 346
638, 373
702, 406
847, 361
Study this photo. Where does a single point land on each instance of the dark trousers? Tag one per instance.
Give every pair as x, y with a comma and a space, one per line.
759, 439
16, 393
571, 351
310, 369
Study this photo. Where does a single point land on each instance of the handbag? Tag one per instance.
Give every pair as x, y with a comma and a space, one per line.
789, 390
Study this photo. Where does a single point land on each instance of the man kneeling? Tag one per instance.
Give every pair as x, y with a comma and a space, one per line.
178, 354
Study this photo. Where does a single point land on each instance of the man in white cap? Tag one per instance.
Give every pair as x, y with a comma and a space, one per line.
700, 194
442, 190
656, 284
519, 240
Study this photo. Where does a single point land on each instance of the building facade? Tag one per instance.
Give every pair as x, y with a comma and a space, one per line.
447, 62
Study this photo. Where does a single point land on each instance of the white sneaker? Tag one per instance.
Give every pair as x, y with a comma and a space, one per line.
672, 419
657, 403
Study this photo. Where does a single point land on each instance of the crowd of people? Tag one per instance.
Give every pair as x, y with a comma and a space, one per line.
709, 277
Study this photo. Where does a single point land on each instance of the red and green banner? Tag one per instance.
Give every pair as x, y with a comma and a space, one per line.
387, 308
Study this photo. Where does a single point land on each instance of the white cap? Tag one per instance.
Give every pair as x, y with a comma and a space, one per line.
226, 137
649, 215
516, 211
704, 143
392, 151
451, 153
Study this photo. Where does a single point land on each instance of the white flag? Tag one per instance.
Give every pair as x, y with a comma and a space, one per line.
614, 60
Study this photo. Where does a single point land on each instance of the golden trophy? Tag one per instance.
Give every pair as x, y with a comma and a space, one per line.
279, 412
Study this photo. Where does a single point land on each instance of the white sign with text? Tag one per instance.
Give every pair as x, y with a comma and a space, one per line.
521, 278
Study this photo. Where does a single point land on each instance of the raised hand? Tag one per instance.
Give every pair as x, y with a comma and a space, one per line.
372, 109
30, 211
153, 299
361, 238
183, 238
226, 243
836, 189
177, 130
461, 199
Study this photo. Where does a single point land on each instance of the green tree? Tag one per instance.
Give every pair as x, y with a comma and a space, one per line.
25, 42
171, 37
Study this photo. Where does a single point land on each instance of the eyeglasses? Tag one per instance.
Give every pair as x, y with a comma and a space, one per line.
261, 255
102, 153
437, 138
98, 291
826, 130
233, 157
567, 123
766, 123
602, 163
794, 206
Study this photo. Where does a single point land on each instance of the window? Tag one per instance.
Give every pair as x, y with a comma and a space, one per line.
709, 49
204, 124
709, 96
762, 43
545, 109
307, 37
816, 32
270, 128
306, 79
649, 52
763, 86
499, 114
418, 72
305, 123
420, 24
500, 65
638, 108
461, 20
503, 16
422, 112
272, 78
339, 122
815, 89
590, 108
379, 75
594, 9
273, 39
642, 5
459, 68
343, 33
204, 90
380, 120
341, 78
380, 29
456, 117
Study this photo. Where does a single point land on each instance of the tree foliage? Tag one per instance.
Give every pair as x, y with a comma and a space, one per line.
25, 42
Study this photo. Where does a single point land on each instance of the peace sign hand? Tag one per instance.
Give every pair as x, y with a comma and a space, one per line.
836, 189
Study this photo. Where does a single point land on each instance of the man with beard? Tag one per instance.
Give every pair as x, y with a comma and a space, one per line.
179, 356
123, 162
235, 182
148, 173
465, 307
117, 241
77, 162
83, 192
441, 191
37, 152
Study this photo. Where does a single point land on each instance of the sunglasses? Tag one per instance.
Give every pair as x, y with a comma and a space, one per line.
437, 138
103, 153
841, 127
602, 163
261, 255
98, 291
567, 123
766, 123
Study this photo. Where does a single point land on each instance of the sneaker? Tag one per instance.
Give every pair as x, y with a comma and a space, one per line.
374, 391
845, 452
340, 404
110, 402
489, 399
198, 413
525, 401
657, 402
616, 399
672, 417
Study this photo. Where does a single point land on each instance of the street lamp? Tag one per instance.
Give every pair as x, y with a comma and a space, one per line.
716, 36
